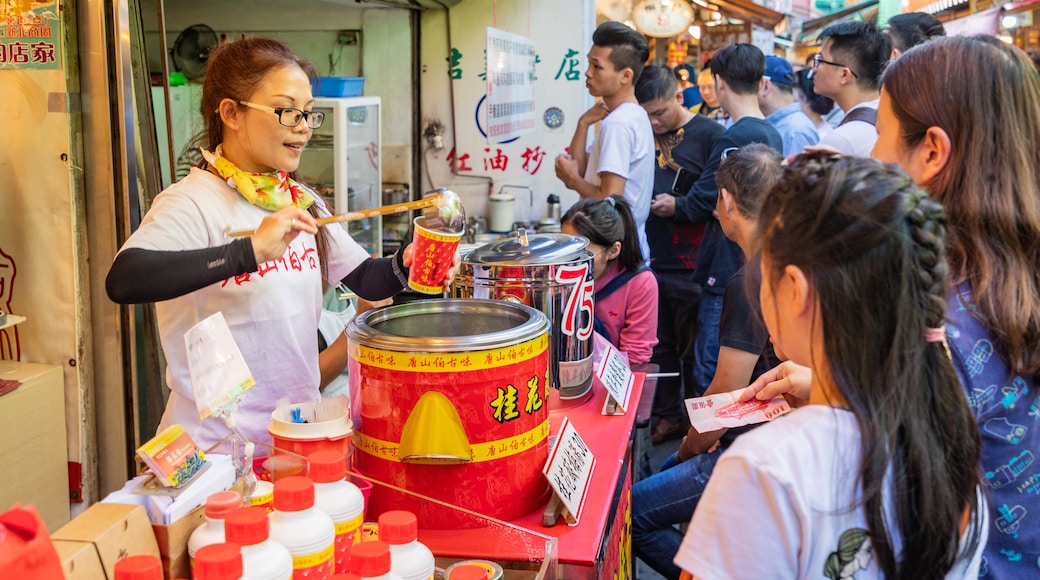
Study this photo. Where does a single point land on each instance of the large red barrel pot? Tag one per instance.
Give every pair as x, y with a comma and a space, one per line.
449, 400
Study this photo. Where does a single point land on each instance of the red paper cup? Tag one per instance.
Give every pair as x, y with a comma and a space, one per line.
432, 257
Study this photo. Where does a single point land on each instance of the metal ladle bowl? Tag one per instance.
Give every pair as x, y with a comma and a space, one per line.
447, 213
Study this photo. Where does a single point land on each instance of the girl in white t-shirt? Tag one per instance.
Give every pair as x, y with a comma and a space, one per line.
876, 474
258, 111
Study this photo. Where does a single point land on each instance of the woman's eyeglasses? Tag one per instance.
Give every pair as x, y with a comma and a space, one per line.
817, 60
290, 117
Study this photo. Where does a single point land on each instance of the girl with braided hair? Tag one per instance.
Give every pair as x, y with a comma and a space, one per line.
853, 287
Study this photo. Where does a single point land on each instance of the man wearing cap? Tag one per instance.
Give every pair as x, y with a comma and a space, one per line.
776, 99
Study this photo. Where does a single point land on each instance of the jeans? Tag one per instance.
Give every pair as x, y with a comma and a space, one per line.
678, 305
660, 502
707, 345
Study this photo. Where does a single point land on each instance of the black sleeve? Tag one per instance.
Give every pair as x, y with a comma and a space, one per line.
138, 276
378, 278
699, 204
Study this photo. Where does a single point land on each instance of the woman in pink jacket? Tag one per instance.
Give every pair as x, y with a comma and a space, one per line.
626, 290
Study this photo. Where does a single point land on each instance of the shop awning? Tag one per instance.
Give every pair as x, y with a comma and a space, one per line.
749, 11
819, 23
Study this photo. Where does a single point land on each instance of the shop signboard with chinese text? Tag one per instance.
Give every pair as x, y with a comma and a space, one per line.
30, 36
715, 38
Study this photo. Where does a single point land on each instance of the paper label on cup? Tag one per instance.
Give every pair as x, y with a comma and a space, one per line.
433, 256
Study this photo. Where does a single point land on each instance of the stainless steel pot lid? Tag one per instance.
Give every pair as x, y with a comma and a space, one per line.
539, 249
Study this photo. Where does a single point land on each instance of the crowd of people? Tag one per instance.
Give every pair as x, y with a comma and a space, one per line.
860, 236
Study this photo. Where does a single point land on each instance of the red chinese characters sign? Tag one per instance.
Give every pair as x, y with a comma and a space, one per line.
29, 35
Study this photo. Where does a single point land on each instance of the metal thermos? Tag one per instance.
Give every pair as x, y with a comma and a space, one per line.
554, 207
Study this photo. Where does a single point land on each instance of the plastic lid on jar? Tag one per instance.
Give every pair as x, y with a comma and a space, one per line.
370, 559
218, 562
141, 567
220, 504
398, 527
293, 494
469, 572
247, 526
327, 466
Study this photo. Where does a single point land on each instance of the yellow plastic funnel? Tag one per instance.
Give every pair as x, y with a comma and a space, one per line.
433, 433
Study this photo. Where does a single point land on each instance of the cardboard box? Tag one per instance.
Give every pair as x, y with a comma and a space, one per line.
173, 543
33, 441
80, 560
113, 530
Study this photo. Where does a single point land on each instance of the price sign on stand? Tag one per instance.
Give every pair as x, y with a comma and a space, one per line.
615, 375
569, 471
219, 374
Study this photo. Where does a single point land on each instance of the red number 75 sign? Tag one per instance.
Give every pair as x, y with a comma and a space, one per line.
579, 302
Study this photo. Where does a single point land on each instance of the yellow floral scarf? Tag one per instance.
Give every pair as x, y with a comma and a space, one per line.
271, 191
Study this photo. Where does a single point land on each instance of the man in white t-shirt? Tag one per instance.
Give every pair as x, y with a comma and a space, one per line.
848, 69
621, 159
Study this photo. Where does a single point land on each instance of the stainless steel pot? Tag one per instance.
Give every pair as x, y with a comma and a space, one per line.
549, 272
394, 193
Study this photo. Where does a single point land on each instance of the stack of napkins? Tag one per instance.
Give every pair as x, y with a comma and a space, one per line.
165, 506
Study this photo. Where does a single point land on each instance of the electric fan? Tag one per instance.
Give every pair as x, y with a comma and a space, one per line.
192, 48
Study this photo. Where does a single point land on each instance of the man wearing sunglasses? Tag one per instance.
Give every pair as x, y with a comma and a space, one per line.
848, 69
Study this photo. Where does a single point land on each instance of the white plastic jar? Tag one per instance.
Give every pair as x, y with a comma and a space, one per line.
218, 506
371, 561
306, 532
262, 558
340, 499
218, 562
409, 558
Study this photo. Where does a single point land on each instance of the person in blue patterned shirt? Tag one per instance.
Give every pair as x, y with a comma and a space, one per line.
975, 147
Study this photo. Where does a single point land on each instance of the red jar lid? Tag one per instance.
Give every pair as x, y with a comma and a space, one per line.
220, 504
398, 527
247, 526
327, 466
218, 562
141, 567
370, 559
293, 494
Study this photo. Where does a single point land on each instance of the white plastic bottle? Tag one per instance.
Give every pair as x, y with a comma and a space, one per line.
409, 558
371, 561
338, 498
262, 558
218, 506
218, 562
306, 532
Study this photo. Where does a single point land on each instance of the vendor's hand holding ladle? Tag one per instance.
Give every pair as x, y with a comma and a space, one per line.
442, 209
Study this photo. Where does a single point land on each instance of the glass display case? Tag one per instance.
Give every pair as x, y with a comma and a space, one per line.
342, 162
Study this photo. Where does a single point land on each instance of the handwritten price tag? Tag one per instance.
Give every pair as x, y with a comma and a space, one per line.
615, 375
569, 471
724, 410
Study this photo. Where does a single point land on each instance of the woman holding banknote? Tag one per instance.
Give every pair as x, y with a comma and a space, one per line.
669, 497
877, 475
